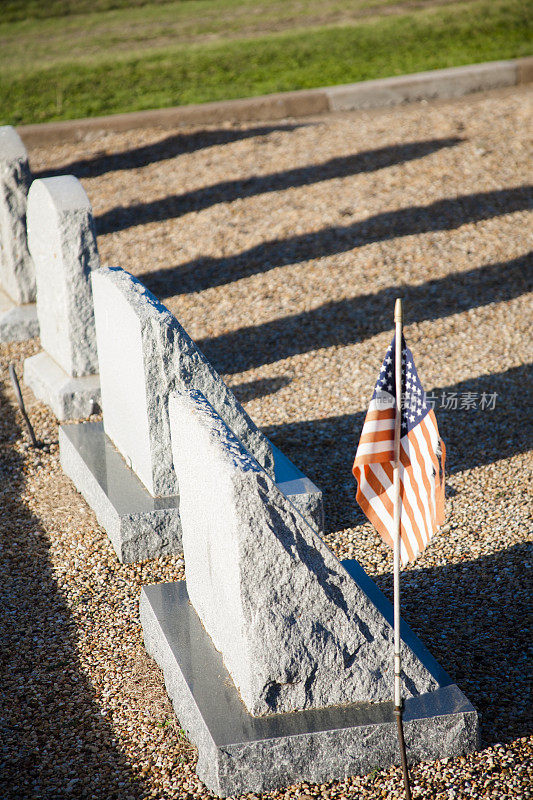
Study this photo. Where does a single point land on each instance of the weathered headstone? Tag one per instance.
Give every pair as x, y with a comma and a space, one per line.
62, 242
293, 628
144, 354
278, 660
18, 316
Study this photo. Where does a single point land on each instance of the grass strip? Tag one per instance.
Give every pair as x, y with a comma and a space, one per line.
20, 10
436, 38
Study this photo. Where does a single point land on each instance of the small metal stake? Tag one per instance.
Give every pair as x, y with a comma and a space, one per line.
20, 401
403, 755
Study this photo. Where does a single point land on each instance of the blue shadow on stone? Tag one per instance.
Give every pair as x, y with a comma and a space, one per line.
356, 571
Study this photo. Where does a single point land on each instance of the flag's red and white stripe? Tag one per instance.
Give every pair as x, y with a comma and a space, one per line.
422, 456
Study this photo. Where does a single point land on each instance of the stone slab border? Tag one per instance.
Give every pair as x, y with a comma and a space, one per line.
440, 84
67, 397
139, 525
239, 753
17, 323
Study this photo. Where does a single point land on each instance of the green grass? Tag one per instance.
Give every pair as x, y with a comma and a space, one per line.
15, 10
145, 29
198, 70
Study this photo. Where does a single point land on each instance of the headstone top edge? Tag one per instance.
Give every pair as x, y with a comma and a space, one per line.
64, 192
133, 290
208, 417
11, 145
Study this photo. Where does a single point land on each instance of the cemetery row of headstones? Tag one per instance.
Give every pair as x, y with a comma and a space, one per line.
276, 656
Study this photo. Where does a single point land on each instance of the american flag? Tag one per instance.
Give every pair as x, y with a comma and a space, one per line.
422, 456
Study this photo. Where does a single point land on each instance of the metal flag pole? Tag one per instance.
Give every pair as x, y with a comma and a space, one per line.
398, 709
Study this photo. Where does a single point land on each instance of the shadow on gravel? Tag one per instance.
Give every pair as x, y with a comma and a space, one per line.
167, 148
54, 743
472, 436
472, 617
259, 388
443, 215
227, 191
357, 318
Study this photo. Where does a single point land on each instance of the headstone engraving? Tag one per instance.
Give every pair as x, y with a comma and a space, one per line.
18, 319
62, 242
294, 629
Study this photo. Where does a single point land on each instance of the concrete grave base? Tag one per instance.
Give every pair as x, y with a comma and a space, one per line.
239, 753
17, 323
139, 525
68, 397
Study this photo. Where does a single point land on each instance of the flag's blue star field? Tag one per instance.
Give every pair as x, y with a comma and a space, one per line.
414, 406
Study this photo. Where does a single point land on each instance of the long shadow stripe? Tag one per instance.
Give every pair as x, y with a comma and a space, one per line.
227, 191
442, 215
354, 319
167, 148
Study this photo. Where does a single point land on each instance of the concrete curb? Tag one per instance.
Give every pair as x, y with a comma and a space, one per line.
440, 84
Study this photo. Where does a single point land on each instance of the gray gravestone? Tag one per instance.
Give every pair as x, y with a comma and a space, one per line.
62, 242
240, 753
144, 354
277, 658
294, 630
18, 317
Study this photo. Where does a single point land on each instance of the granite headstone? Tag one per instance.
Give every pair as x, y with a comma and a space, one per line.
62, 242
123, 466
294, 629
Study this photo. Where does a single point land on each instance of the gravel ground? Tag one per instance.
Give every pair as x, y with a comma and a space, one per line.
281, 249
